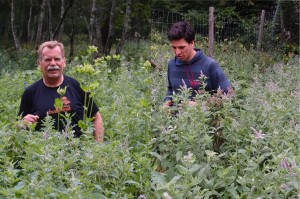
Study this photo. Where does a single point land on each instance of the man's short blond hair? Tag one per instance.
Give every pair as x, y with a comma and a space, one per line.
50, 44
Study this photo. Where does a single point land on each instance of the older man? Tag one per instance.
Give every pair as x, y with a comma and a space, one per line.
39, 98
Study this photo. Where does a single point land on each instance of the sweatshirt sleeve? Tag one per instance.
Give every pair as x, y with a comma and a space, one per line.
219, 78
169, 88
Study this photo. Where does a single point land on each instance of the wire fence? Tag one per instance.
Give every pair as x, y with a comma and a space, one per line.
225, 28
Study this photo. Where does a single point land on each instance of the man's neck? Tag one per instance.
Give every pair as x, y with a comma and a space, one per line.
192, 55
53, 83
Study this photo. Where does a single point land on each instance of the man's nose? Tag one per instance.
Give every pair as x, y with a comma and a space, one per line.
52, 62
177, 51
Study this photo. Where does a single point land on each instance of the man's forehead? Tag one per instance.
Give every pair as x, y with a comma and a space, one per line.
49, 56
179, 45
48, 48
53, 50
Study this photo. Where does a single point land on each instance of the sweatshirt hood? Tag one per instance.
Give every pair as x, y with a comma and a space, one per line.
197, 57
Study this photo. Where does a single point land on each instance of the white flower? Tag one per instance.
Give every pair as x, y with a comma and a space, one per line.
184, 85
166, 195
168, 129
202, 76
189, 158
284, 186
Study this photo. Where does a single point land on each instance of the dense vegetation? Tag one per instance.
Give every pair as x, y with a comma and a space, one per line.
243, 145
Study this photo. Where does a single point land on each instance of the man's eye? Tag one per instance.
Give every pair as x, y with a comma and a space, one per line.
57, 59
47, 60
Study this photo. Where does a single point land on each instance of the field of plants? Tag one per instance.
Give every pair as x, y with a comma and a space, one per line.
242, 145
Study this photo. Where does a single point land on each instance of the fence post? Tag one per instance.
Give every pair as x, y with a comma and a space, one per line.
261, 27
211, 32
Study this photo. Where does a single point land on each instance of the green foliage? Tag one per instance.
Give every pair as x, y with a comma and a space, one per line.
52, 166
134, 50
241, 145
12, 60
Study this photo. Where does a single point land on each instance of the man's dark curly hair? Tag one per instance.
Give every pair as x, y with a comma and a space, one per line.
182, 29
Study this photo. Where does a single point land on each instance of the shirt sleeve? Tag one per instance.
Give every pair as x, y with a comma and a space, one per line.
25, 104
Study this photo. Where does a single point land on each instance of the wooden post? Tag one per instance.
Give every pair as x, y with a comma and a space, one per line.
211, 32
282, 29
261, 27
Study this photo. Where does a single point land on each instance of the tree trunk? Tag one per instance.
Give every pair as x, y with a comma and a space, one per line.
40, 23
92, 22
94, 29
50, 33
110, 28
13, 28
98, 39
211, 37
125, 27
62, 11
32, 35
29, 22
71, 36
62, 19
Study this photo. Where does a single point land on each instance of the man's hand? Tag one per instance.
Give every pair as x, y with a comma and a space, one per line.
192, 103
167, 104
30, 119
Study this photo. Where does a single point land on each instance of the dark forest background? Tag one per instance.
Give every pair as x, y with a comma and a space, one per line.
108, 25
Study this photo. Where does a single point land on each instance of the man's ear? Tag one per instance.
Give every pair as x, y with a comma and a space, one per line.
65, 61
38, 63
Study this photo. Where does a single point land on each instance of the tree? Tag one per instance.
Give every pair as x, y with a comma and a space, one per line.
13, 28
71, 36
62, 12
125, 27
50, 33
40, 24
29, 21
111, 27
62, 18
290, 19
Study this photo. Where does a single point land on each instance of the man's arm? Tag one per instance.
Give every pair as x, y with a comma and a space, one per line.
99, 128
168, 98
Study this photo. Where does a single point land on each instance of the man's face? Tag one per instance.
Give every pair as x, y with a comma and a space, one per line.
182, 49
52, 63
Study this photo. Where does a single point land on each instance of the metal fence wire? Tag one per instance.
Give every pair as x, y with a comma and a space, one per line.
225, 28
